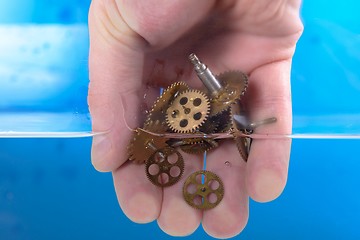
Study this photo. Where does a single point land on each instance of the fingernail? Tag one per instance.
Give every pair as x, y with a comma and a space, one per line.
101, 146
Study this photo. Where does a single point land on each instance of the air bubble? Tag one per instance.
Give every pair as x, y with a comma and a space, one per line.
228, 164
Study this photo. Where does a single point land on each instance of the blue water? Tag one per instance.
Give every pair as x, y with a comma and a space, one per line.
49, 190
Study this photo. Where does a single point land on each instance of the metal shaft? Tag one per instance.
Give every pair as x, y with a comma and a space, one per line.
208, 79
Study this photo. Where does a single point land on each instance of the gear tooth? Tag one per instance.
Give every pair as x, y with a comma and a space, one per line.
195, 123
156, 112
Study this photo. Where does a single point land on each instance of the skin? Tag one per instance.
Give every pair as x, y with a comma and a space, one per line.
142, 42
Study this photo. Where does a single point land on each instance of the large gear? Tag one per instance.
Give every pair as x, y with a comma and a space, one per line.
165, 167
203, 190
143, 145
188, 111
158, 111
235, 85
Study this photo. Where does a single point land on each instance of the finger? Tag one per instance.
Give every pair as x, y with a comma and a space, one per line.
120, 31
115, 82
228, 218
177, 218
268, 160
139, 199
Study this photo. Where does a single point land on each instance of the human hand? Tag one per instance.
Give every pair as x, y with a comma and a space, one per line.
129, 38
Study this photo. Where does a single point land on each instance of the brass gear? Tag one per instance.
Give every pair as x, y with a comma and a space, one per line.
235, 85
156, 127
209, 126
223, 120
205, 194
158, 111
243, 143
143, 145
188, 111
198, 145
162, 169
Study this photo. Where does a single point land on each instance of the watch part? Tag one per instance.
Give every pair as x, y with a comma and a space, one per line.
143, 145
188, 111
165, 167
235, 85
203, 190
198, 145
158, 111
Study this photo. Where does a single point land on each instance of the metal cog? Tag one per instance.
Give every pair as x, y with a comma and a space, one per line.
235, 85
224, 121
199, 146
143, 145
188, 111
209, 126
158, 111
205, 194
162, 169
243, 143
156, 127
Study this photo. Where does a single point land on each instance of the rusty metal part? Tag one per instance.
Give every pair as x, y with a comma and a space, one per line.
203, 190
209, 126
242, 143
143, 145
235, 85
188, 111
198, 145
240, 124
165, 167
158, 111
224, 121
156, 127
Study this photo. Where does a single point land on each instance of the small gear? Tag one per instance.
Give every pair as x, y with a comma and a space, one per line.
188, 111
198, 145
243, 143
158, 111
143, 145
165, 167
235, 85
203, 190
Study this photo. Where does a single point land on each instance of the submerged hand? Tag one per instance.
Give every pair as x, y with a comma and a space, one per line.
128, 38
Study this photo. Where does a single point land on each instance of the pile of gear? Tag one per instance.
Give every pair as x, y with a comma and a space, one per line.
184, 118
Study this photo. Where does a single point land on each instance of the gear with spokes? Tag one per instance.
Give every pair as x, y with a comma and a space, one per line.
188, 111
158, 111
203, 190
165, 167
194, 121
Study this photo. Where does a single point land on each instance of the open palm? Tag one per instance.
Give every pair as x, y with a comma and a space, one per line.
137, 43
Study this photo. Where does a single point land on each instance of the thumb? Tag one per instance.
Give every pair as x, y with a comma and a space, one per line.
120, 33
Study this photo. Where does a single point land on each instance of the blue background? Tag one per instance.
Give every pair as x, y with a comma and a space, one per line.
49, 190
